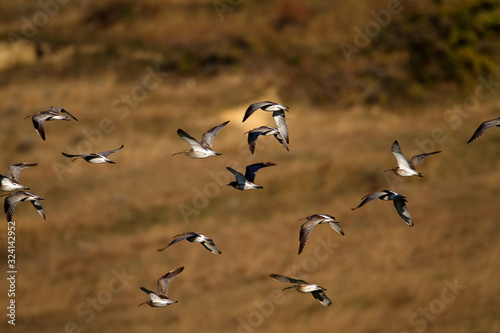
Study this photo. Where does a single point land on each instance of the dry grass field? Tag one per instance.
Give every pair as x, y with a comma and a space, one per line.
80, 270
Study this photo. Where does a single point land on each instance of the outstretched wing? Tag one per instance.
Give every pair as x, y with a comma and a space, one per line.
417, 158
15, 169
370, 197
107, 153
179, 238
279, 119
396, 151
240, 179
321, 297
69, 114
252, 169
189, 139
284, 278
403, 211
484, 127
165, 279
254, 107
207, 139
305, 231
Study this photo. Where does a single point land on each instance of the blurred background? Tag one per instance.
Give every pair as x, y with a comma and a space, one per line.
356, 76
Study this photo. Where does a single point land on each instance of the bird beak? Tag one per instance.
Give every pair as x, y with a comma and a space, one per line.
224, 186
181, 152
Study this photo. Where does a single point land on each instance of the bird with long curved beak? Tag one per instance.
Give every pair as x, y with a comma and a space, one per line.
398, 200
160, 298
302, 286
406, 168
55, 113
244, 183
203, 149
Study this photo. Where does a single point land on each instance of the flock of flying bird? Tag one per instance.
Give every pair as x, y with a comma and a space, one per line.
203, 149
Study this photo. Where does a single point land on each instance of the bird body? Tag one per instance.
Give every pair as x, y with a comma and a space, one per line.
278, 111
302, 286
201, 149
263, 130
11, 181
160, 298
398, 200
314, 220
406, 168
55, 113
95, 158
195, 237
244, 183
13, 199
486, 125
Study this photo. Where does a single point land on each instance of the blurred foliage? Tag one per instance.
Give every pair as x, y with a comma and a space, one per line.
427, 50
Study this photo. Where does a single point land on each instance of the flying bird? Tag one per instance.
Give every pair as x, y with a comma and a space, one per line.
484, 127
398, 199
160, 298
12, 200
195, 237
203, 149
55, 113
302, 286
95, 158
312, 221
11, 181
278, 111
263, 130
246, 182
407, 168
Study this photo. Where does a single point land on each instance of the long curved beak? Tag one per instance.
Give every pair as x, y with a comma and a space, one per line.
181, 152
224, 186
142, 304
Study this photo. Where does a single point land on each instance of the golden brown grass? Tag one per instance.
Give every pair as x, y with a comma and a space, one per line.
111, 218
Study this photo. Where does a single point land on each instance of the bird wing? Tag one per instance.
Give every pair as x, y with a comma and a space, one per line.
396, 151
252, 169
370, 197
321, 297
109, 152
10, 204
179, 238
165, 279
484, 127
38, 207
253, 135
283, 278
207, 139
279, 119
69, 114
281, 140
39, 123
240, 179
15, 169
254, 107
69, 155
305, 231
403, 211
336, 227
209, 244
189, 139
417, 158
